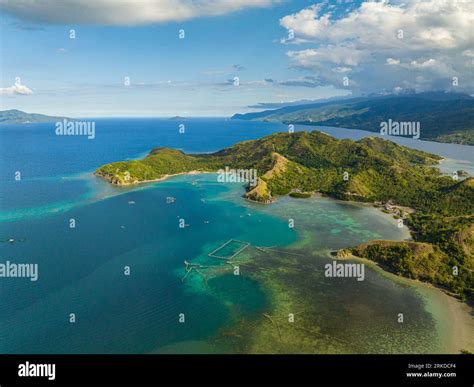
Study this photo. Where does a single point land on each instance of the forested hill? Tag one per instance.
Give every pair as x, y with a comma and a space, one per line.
371, 169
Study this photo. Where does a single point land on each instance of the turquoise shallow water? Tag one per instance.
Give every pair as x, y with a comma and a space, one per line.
81, 270
351, 316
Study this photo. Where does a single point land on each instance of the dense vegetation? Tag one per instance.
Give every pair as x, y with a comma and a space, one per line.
371, 169
444, 249
442, 117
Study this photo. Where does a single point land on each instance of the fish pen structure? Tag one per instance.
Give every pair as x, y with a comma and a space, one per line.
229, 250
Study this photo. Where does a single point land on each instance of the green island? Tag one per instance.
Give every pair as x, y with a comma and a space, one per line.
438, 209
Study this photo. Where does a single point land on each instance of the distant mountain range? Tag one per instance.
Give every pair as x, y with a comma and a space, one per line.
14, 116
443, 117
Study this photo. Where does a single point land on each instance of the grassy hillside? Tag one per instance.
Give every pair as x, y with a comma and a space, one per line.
416, 260
446, 261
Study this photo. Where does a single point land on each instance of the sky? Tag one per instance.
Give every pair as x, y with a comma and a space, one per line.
93, 58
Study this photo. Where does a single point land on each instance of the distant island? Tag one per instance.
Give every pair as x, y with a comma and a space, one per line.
443, 117
402, 181
14, 116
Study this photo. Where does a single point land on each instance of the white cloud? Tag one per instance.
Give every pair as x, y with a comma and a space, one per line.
345, 55
123, 12
392, 61
397, 90
427, 37
431, 23
421, 65
305, 24
16, 89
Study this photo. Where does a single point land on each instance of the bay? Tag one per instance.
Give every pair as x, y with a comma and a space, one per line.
81, 270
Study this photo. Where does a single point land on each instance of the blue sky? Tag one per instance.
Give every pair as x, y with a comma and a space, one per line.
194, 76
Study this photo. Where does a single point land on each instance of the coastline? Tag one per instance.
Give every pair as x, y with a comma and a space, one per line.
162, 178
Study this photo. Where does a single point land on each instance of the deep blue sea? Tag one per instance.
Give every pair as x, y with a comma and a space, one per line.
81, 269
